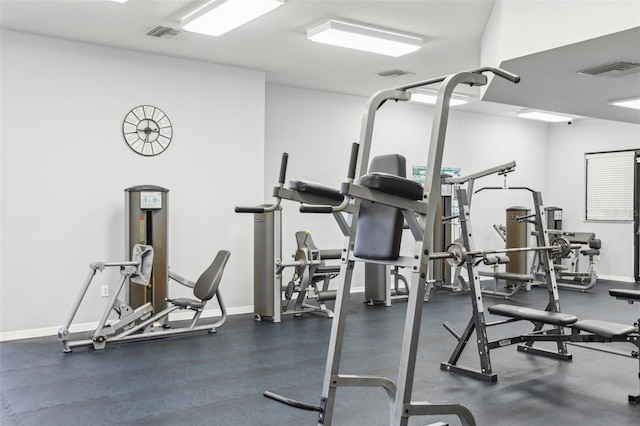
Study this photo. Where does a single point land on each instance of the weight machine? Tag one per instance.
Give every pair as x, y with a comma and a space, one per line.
310, 268
372, 238
140, 323
571, 276
147, 274
268, 302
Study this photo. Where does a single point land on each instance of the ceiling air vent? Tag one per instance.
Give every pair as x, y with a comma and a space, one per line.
164, 32
614, 69
394, 73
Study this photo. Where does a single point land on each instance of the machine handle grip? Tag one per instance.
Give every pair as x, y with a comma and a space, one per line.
249, 209
502, 73
315, 209
353, 160
292, 402
283, 168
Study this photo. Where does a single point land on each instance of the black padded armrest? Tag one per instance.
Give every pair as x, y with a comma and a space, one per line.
391, 184
534, 315
627, 294
318, 193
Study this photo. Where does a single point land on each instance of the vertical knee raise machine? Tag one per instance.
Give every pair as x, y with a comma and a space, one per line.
375, 238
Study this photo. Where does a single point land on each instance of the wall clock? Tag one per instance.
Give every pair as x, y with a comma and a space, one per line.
147, 130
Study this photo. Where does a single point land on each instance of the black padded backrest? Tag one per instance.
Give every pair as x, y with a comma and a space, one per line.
207, 285
379, 230
394, 164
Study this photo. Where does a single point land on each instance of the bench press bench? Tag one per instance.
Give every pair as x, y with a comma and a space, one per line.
583, 331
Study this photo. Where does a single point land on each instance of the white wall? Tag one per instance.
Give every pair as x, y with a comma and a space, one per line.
565, 162
65, 166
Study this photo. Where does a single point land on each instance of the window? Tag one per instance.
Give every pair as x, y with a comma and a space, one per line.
609, 185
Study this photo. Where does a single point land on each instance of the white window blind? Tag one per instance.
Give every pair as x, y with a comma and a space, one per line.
609, 177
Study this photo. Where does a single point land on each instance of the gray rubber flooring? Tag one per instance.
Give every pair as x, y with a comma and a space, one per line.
219, 379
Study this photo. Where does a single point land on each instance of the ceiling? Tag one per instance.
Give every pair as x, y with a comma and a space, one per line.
276, 44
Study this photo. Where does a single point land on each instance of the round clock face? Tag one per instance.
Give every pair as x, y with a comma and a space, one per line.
147, 130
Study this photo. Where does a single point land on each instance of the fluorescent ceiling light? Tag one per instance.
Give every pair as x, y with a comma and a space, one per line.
543, 116
430, 98
119, 1
219, 16
363, 38
627, 103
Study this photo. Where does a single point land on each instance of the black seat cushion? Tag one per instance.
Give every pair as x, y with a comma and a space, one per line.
605, 328
185, 302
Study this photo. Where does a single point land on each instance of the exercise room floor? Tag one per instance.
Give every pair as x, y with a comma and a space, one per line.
219, 379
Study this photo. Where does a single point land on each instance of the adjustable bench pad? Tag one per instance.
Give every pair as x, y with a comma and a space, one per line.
625, 294
604, 328
511, 276
534, 315
316, 192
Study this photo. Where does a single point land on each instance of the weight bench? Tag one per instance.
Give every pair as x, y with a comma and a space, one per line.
521, 279
583, 331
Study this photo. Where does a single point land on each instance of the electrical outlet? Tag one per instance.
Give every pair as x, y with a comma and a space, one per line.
105, 291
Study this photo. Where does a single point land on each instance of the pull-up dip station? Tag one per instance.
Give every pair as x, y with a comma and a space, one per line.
417, 205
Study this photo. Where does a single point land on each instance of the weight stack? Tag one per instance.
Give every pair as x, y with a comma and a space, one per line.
517, 236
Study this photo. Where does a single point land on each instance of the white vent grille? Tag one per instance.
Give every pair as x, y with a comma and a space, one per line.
613, 69
394, 73
164, 32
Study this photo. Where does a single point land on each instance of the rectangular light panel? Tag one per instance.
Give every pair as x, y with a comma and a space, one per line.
363, 38
428, 98
627, 103
220, 16
543, 116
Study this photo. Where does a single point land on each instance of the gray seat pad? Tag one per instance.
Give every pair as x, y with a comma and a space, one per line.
185, 302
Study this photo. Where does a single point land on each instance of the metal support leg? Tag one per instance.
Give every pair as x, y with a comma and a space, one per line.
335, 343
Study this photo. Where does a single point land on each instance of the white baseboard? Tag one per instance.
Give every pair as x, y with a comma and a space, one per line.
617, 278
89, 326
